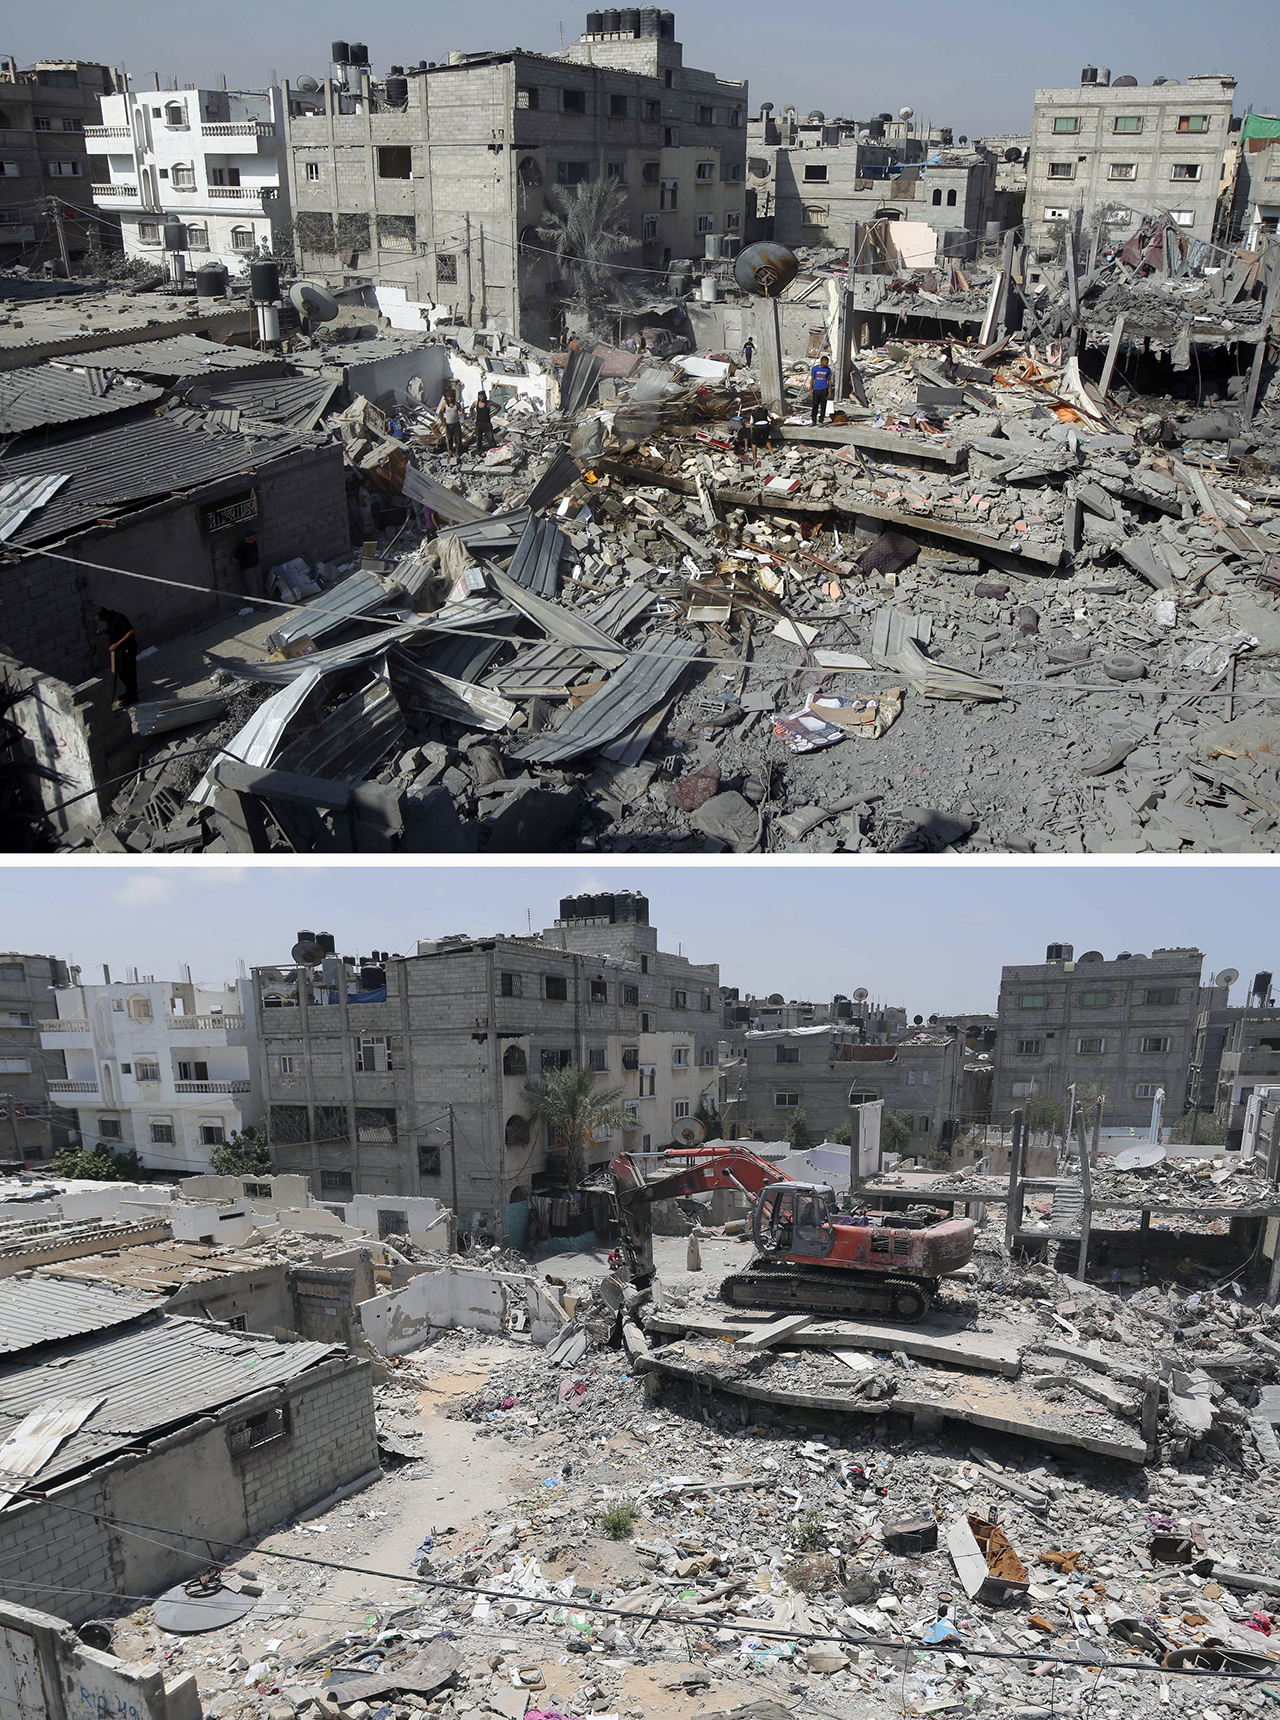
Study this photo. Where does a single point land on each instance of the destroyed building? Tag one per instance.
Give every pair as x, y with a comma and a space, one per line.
1123, 1026
442, 173
1115, 150
211, 160
35, 1126
1256, 210
166, 1068
407, 1075
1249, 1063
47, 111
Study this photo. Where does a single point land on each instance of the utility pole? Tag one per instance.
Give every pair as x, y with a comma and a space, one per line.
470, 299
55, 209
453, 1166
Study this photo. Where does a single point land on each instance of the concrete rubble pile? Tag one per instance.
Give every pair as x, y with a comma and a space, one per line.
988, 605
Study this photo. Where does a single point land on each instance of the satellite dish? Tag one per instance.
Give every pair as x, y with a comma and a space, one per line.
861, 995
1013, 155
933, 1021
308, 954
691, 1132
307, 84
312, 301
1227, 977
775, 998
765, 269
1090, 956
1139, 1158
905, 113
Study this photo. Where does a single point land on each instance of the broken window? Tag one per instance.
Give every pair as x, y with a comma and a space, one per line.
786, 1101
813, 214
1185, 170
375, 1125
242, 238
616, 171
706, 223
530, 172
397, 232
598, 1059
786, 1054
1123, 170
514, 1061
446, 269
733, 222
395, 161
512, 985
632, 1109
1033, 1000
599, 991
428, 1161
574, 101
527, 97
648, 1080
336, 1182
815, 172
1030, 1047
1090, 1047
145, 1071
1062, 170
289, 1124
631, 997
707, 1057
140, 1008
1128, 123
1161, 994
631, 1057
1182, 217
573, 172
109, 1128
331, 1123
12, 973
1054, 214
704, 172
1193, 122
1154, 1043
619, 107
1095, 999
859, 1098
392, 1222
517, 1131
1066, 122
314, 231
555, 988
706, 116
645, 1023
212, 1135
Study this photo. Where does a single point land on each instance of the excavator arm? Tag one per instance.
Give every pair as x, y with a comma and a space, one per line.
706, 1169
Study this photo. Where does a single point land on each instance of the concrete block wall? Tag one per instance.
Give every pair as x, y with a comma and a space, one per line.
58, 1553
333, 1441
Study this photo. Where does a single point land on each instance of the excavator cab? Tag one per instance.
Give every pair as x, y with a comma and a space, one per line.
795, 1219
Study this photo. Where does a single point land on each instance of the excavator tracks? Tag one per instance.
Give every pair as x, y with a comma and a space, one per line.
903, 1299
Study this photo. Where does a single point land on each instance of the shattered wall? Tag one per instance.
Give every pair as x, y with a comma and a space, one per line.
459, 1296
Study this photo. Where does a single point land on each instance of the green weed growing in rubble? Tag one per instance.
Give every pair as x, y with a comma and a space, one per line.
620, 1519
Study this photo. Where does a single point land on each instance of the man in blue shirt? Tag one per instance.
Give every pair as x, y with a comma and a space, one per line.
820, 389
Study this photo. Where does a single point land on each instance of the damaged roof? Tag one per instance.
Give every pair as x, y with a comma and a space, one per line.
36, 1310
46, 394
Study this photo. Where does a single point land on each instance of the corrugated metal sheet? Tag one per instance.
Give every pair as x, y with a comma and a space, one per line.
45, 394
298, 402
150, 1380
42, 1310
458, 701
35, 1439
558, 622
129, 463
455, 618
441, 500
358, 594
561, 471
493, 532
629, 694
21, 497
536, 563
347, 744
176, 355
581, 374
257, 741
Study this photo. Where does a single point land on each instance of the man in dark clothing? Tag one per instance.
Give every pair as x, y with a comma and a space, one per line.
820, 386
247, 559
124, 652
484, 424
748, 352
761, 426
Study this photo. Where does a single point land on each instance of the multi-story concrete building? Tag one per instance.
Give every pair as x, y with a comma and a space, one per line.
29, 1128
45, 114
1256, 203
1125, 1026
1128, 150
212, 158
410, 1078
437, 177
166, 1067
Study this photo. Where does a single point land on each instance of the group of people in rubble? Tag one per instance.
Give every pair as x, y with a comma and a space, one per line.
753, 428
449, 414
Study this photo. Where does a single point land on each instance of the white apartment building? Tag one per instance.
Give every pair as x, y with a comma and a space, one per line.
213, 158
1133, 150
167, 1067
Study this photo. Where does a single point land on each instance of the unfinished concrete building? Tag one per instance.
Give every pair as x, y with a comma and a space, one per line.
33, 1125
1125, 151
443, 173
1124, 1027
406, 1075
1249, 1064
46, 195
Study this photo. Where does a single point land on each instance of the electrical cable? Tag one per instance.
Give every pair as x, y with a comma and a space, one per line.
755, 1628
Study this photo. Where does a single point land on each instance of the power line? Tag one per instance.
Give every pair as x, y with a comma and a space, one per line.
754, 1628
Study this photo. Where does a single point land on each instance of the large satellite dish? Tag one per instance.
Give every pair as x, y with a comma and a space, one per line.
312, 301
307, 84
765, 270
861, 995
1139, 1158
307, 954
905, 113
1227, 977
689, 1134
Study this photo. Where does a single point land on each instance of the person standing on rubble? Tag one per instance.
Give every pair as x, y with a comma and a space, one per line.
820, 389
484, 424
761, 427
122, 642
748, 352
451, 418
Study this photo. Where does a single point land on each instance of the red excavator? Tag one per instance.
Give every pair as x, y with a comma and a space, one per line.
812, 1256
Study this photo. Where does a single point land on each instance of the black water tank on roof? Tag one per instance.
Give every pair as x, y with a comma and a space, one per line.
631, 21
667, 24
340, 53
211, 281
612, 22
397, 92
325, 941
595, 23
650, 21
359, 54
264, 281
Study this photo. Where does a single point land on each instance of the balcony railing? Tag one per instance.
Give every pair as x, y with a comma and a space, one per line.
73, 1086
239, 128
203, 1023
208, 1086
244, 193
122, 192
106, 131
67, 1026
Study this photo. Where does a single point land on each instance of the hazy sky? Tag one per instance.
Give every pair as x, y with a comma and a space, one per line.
931, 939
973, 67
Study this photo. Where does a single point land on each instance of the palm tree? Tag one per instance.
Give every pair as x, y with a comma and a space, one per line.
574, 1109
585, 230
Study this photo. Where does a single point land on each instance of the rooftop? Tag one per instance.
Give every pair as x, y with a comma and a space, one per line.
36, 1310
